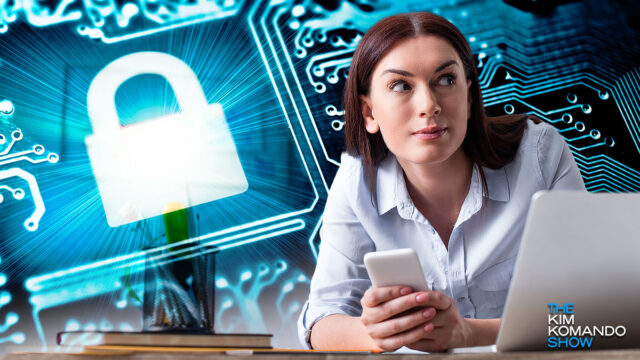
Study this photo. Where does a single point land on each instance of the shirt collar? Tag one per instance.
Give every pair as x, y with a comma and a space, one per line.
391, 189
497, 183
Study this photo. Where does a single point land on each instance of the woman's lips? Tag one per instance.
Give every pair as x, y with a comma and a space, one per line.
430, 133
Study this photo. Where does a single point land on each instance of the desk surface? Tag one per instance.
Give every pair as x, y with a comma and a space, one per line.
555, 355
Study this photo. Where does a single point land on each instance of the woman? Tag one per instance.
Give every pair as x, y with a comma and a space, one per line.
426, 169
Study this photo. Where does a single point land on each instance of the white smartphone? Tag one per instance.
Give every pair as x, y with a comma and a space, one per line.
396, 267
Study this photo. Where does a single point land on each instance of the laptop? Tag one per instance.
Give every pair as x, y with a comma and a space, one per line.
576, 283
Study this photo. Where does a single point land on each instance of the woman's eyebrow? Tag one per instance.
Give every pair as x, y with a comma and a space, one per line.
406, 73
396, 71
445, 64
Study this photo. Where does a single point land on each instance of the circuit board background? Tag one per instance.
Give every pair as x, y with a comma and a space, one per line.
278, 69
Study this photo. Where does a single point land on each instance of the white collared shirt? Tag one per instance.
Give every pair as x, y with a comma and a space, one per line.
476, 269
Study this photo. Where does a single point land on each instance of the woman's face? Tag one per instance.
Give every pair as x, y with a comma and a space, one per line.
419, 100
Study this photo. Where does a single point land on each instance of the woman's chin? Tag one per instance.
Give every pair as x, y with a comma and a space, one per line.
430, 158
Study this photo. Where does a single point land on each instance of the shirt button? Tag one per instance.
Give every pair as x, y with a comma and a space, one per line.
433, 231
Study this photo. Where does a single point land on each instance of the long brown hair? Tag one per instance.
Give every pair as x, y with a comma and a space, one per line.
491, 142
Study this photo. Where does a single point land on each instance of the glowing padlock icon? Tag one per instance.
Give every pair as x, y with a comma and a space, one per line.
188, 157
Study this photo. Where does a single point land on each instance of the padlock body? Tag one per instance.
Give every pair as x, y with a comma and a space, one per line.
189, 158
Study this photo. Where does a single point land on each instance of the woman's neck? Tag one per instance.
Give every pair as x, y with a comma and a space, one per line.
439, 186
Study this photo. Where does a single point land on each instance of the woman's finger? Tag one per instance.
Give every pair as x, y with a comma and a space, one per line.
376, 296
394, 307
436, 299
397, 341
401, 324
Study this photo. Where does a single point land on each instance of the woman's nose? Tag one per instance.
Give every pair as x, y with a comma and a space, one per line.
428, 104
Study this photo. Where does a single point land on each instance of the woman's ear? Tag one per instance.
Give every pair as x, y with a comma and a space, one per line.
370, 122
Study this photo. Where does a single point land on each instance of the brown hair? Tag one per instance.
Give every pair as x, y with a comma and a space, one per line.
490, 141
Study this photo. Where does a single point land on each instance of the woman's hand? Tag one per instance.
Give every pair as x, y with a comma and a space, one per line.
396, 317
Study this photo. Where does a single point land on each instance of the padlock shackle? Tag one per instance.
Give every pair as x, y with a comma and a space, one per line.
101, 104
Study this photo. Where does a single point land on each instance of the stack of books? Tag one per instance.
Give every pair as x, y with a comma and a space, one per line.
163, 341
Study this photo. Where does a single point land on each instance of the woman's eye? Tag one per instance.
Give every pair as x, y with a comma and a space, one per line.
400, 86
447, 80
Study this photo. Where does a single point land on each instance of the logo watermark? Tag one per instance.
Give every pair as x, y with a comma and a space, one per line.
563, 333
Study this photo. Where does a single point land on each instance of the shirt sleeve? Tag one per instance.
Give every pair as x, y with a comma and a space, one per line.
558, 167
340, 278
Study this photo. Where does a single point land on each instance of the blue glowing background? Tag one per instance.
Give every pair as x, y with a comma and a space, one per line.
277, 69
